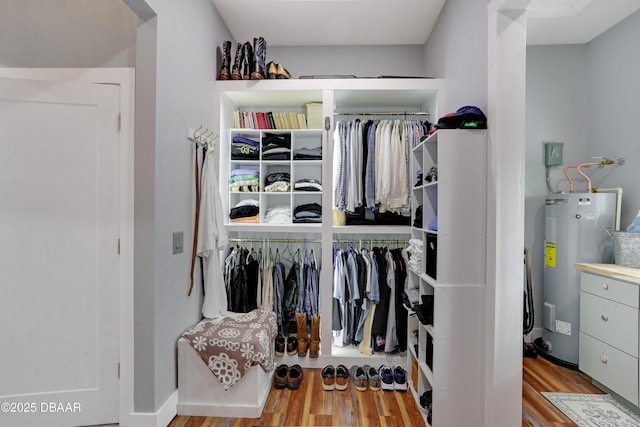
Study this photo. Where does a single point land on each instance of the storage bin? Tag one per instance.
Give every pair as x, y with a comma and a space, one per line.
626, 248
431, 252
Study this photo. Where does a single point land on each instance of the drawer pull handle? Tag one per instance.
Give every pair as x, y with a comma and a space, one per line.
605, 286
603, 359
604, 317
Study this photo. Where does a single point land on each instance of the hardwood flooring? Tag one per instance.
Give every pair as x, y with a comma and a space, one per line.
540, 375
312, 406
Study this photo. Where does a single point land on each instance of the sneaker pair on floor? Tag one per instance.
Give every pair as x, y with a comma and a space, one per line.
393, 378
365, 376
335, 377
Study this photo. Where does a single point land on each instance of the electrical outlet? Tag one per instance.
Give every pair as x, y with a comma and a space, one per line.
553, 153
178, 242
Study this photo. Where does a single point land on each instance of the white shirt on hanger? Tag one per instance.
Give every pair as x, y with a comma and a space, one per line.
212, 238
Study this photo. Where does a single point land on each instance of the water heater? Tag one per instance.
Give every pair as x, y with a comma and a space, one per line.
575, 231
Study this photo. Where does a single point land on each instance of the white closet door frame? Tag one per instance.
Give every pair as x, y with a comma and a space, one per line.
125, 79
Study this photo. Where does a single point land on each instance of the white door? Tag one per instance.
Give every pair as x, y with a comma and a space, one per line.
59, 276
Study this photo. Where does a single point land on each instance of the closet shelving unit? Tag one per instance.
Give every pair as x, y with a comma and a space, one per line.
447, 355
458, 198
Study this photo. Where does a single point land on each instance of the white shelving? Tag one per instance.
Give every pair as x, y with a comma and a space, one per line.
295, 169
449, 358
458, 198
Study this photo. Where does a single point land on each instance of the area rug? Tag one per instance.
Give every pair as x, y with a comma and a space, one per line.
593, 410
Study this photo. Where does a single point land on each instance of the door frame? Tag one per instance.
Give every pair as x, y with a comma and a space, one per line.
506, 65
125, 79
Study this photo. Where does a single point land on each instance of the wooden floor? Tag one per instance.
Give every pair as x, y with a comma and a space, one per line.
312, 406
541, 375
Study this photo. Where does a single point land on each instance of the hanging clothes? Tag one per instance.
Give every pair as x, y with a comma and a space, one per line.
371, 167
212, 238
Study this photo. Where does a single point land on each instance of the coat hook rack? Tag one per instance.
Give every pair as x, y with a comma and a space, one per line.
205, 138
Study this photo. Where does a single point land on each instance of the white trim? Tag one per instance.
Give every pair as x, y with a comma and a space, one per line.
125, 78
160, 418
506, 50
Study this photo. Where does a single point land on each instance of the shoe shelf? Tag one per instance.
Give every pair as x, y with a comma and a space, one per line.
452, 271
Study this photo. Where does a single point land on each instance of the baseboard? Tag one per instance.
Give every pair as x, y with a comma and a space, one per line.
161, 418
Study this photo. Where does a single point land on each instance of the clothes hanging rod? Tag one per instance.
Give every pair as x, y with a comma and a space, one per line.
283, 240
384, 113
370, 240
272, 240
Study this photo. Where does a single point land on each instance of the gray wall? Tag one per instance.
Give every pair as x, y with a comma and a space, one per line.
178, 84
556, 111
360, 61
613, 128
586, 97
457, 51
67, 33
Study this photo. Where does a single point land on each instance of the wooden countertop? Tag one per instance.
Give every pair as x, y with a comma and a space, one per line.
614, 271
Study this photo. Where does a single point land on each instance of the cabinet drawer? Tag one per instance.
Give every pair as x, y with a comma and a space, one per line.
609, 321
615, 290
609, 366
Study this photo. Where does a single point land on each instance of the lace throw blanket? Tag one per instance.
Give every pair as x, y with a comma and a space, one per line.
231, 345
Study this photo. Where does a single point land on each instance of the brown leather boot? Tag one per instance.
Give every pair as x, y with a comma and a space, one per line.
225, 71
236, 70
314, 345
303, 339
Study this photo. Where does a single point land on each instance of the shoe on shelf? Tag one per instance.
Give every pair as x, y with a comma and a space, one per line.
328, 378
248, 60
292, 346
225, 68
358, 377
272, 70
281, 377
386, 377
280, 345
425, 400
260, 57
372, 377
342, 377
399, 378
296, 374
236, 70
282, 73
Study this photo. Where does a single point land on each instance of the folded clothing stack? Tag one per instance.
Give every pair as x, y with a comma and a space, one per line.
246, 180
244, 148
276, 147
246, 211
277, 181
307, 184
309, 212
278, 215
308, 153
415, 251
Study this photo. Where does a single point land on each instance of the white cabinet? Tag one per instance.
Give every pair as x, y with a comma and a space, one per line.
608, 347
449, 357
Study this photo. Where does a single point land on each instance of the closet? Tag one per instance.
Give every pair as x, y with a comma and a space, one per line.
356, 101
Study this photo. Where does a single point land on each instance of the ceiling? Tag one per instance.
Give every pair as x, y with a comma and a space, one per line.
574, 21
331, 22
379, 22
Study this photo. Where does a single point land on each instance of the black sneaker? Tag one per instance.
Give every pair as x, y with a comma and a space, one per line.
399, 378
386, 377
